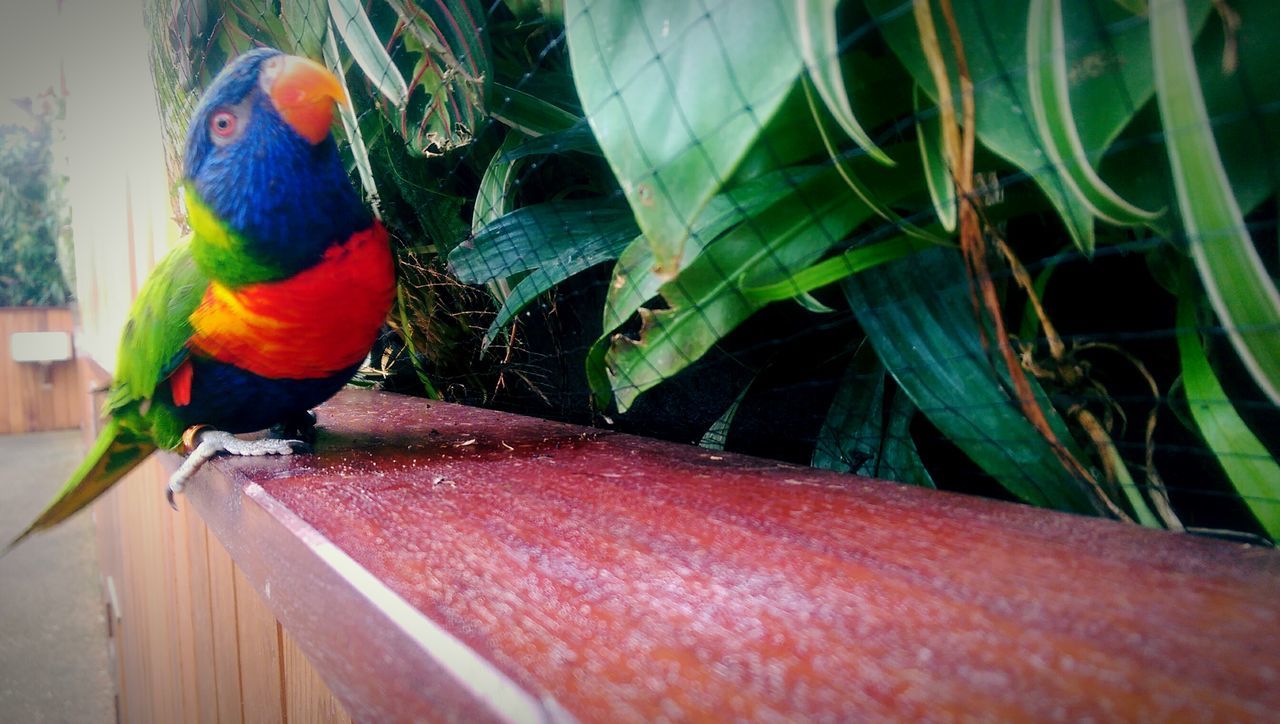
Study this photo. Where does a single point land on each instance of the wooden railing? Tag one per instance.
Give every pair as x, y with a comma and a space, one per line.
433, 561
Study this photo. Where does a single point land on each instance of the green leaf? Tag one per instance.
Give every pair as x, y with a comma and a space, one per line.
942, 188
716, 435
854, 181
1244, 107
1109, 58
1252, 470
1051, 106
577, 138
305, 23
538, 235
833, 270
676, 94
820, 47
551, 241
528, 113
350, 125
704, 302
1238, 286
449, 83
352, 23
636, 277
917, 314
494, 197
861, 436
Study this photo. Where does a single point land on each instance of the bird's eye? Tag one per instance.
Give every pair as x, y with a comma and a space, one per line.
223, 124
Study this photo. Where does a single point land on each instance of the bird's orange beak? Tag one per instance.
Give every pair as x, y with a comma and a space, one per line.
303, 92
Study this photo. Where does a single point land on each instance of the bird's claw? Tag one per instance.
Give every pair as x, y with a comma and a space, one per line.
205, 442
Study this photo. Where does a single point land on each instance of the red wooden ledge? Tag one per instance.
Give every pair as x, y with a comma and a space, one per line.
445, 562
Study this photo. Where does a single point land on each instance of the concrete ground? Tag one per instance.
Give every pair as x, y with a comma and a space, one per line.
53, 639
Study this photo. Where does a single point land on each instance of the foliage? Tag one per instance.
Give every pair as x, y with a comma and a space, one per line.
33, 215
900, 170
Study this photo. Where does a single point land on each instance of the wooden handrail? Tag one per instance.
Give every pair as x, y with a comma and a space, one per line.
439, 561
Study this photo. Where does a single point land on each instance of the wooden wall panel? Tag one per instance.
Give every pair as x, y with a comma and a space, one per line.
261, 664
192, 639
34, 398
307, 699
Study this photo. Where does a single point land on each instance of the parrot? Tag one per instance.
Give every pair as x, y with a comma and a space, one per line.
267, 308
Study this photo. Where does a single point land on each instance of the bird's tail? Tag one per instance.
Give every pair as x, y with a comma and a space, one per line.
114, 453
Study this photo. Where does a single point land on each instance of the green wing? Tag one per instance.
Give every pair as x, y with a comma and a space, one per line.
154, 342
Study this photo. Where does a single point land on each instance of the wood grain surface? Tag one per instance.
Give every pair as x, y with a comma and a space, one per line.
442, 562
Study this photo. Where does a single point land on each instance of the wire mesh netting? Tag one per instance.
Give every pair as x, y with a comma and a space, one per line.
1026, 250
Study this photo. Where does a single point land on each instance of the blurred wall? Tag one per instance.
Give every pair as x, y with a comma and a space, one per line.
117, 187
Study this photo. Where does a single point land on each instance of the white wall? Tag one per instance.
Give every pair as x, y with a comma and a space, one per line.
118, 187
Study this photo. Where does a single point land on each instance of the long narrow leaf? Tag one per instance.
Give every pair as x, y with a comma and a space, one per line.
357, 33
942, 188
855, 183
1252, 470
1237, 283
350, 125
833, 270
916, 312
494, 198
1051, 106
820, 46
528, 113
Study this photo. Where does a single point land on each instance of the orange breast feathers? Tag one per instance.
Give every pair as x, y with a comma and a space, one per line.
311, 325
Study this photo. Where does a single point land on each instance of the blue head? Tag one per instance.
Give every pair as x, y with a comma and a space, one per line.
261, 165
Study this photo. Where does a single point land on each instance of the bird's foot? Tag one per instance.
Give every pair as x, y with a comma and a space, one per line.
205, 442
301, 426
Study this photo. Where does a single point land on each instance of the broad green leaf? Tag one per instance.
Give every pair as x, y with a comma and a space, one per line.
861, 436
1109, 61
538, 235
673, 137
352, 23
259, 16
1252, 470
1238, 285
942, 187
917, 314
820, 46
636, 278
551, 241
305, 23
1051, 106
704, 302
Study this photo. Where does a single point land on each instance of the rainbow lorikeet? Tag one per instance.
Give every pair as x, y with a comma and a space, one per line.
272, 302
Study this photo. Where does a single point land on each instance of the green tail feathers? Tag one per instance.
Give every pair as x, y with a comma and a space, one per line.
114, 453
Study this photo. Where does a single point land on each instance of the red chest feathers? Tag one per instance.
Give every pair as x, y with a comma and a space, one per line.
312, 325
